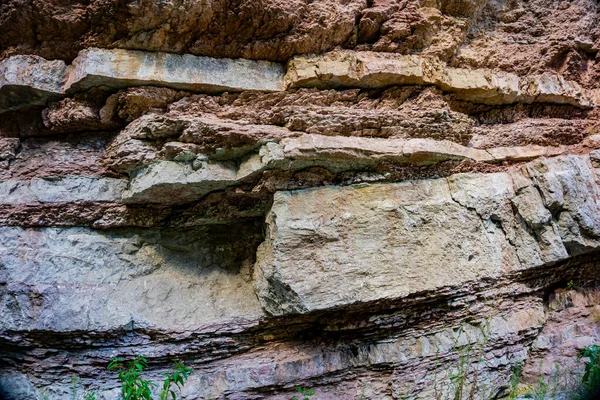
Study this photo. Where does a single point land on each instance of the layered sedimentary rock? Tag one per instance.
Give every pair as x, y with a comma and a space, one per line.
365, 198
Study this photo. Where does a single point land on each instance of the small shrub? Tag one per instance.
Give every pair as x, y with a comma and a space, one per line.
305, 392
515, 378
177, 376
591, 377
134, 387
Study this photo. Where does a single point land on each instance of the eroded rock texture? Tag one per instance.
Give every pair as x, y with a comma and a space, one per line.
361, 197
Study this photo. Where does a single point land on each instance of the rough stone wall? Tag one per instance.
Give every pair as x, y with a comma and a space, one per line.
346, 195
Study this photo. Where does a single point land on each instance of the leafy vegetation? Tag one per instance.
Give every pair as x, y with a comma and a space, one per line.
591, 377
135, 387
305, 392
176, 377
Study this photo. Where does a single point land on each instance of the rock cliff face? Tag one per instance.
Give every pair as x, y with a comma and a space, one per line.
363, 197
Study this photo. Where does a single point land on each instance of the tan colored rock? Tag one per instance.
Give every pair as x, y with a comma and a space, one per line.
337, 246
524, 153
375, 70
30, 81
124, 68
553, 88
355, 69
480, 85
379, 241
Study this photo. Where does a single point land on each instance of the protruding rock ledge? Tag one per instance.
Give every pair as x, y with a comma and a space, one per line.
172, 182
335, 246
61, 190
30, 81
375, 70
123, 68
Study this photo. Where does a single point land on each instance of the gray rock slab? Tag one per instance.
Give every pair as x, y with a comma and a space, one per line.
61, 190
123, 68
30, 81
74, 279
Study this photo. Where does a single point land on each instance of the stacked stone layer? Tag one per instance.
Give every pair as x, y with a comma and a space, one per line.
345, 196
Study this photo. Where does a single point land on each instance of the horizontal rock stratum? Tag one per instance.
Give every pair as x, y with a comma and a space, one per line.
40, 80
372, 70
122, 68
374, 200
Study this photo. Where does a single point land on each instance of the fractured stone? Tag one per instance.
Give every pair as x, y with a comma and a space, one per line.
375, 70
336, 246
170, 182
30, 81
61, 190
89, 280
123, 68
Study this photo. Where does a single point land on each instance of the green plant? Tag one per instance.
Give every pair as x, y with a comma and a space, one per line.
74, 386
90, 396
133, 386
540, 389
515, 377
591, 376
305, 392
42, 394
177, 376
570, 285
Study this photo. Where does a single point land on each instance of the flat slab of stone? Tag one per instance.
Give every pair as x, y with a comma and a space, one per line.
61, 190
172, 182
336, 246
30, 81
124, 68
376, 70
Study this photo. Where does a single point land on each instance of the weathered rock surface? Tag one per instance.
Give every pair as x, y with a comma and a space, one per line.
374, 70
123, 68
122, 279
29, 81
389, 241
365, 198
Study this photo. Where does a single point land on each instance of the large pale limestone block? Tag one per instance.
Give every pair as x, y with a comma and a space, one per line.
336, 246
76, 279
30, 81
123, 68
342, 245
